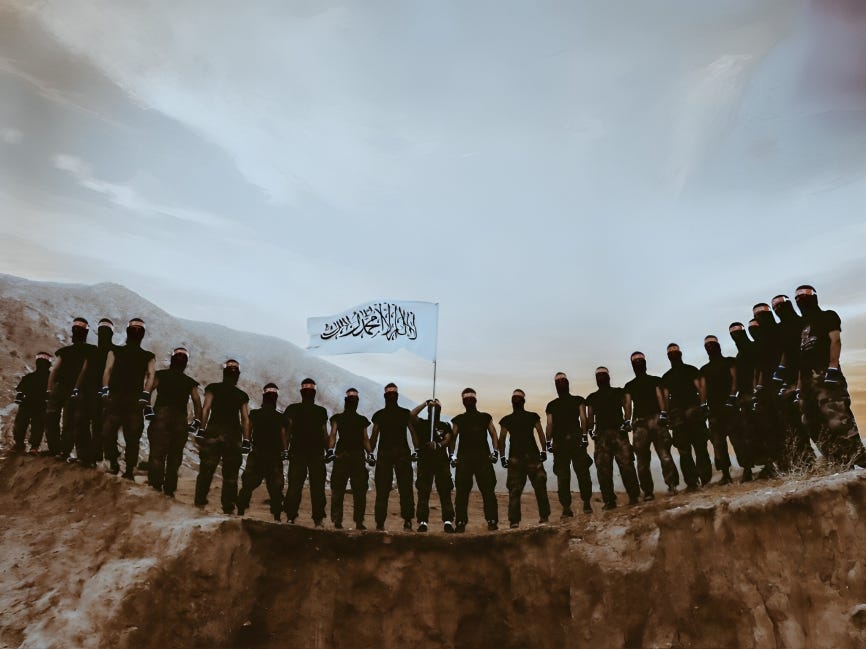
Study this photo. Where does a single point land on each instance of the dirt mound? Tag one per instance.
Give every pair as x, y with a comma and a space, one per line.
93, 561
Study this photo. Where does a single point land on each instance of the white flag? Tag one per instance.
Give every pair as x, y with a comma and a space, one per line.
381, 326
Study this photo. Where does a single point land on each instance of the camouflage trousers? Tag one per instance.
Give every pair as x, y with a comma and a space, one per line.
827, 415
261, 466
797, 449
610, 445
519, 470
648, 433
167, 435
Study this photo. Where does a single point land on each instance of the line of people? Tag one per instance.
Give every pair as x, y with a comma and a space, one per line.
783, 390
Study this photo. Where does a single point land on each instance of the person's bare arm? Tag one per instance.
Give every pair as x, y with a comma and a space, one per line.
52, 376
374, 437
109, 367
325, 436
367, 446
453, 446
666, 398
539, 433
196, 403
584, 417
835, 348
660, 396
205, 411
150, 376
332, 439
79, 381
285, 437
503, 433
626, 406
154, 389
413, 434
701, 385
548, 433
245, 420
734, 386
491, 429
590, 419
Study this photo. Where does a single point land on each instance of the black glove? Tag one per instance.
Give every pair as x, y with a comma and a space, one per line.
732, 401
755, 402
413, 457
833, 375
591, 433
19, 397
371, 459
194, 426
453, 460
542, 457
246, 446
149, 413
329, 456
74, 394
144, 397
780, 374
199, 436
505, 462
795, 396
625, 427
494, 456
284, 454
663, 418
705, 408
104, 392
550, 446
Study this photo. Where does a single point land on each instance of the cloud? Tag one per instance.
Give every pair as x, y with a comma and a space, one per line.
11, 135
126, 196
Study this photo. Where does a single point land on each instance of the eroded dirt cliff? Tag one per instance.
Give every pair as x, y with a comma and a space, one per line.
93, 561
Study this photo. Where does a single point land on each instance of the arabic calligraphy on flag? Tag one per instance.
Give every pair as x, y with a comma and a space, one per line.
381, 326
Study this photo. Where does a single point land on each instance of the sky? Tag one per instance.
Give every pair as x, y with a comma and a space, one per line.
570, 181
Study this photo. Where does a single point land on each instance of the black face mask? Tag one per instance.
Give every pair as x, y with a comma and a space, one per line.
807, 303
134, 336
561, 387
676, 358
104, 337
308, 395
79, 335
470, 403
231, 375
43, 365
351, 403
602, 380
518, 403
714, 349
755, 332
270, 399
740, 338
391, 398
765, 319
639, 366
786, 312
178, 362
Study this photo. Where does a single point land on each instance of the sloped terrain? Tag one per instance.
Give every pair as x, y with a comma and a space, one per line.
94, 561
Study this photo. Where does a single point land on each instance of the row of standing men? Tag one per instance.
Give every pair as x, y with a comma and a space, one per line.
768, 426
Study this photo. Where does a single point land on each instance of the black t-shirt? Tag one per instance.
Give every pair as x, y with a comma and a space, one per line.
521, 429
350, 431
72, 360
645, 402
226, 405
680, 382
130, 368
815, 339
745, 364
768, 348
96, 367
266, 425
790, 337
606, 404
472, 430
566, 416
306, 421
422, 429
33, 386
173, 389
717, 374
393, 422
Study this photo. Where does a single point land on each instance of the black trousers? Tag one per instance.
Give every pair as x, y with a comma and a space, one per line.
301, 465
479, 469
394, 464
521, 469
349, 466
434, 467
267, 467
29, 416
569, 454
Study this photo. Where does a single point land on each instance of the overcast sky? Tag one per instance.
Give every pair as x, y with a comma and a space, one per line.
571, 181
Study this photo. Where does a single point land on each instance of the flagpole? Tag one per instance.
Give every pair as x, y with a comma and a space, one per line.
431, 410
